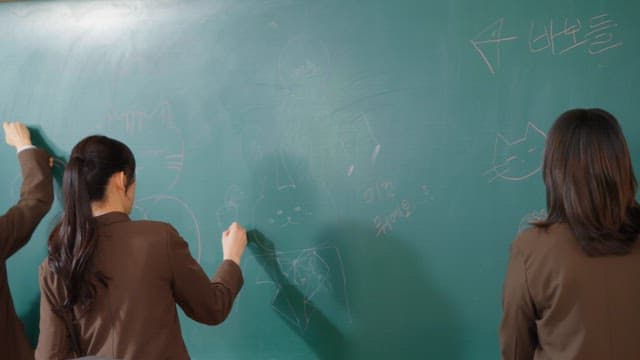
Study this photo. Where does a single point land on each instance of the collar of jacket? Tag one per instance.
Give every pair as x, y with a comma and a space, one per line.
112, 218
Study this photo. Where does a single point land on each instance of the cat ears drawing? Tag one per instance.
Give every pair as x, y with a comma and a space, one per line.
519, 159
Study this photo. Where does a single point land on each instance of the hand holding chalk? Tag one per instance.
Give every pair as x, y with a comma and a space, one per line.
234, 240
16, 134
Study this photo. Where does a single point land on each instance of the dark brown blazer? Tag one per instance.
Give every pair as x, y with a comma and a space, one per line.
561, 304
150, 270
16, 227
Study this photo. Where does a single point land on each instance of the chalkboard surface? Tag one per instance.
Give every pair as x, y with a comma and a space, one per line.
385, 153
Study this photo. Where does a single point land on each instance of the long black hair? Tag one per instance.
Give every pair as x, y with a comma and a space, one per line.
72, 242
590, 182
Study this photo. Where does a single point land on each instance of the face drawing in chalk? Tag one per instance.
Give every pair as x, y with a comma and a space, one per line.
288, 197
518, 159
285, 204
289, 216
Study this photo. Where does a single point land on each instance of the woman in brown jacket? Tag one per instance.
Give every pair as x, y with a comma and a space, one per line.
16, 227
110, 285
572, 289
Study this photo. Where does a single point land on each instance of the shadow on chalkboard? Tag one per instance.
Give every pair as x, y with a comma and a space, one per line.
376, 299
30, 321
397, 310
39, 139
322, 336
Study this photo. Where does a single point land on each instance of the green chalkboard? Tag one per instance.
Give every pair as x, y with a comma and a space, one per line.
385, 153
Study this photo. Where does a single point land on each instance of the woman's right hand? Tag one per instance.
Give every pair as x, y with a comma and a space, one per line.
234, 240
16, 134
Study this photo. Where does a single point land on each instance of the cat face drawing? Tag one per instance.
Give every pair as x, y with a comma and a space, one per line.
519, 159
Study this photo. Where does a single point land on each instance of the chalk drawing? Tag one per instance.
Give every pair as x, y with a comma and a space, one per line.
598, 37
519, 159
384, 224
291, 216
557, 42
491, 37
595, 36
600, 34
350, 171
316, 273
278, 210
155, 139
379, 191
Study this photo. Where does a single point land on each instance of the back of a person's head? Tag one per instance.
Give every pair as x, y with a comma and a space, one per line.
91, 164
590, 182
94, 159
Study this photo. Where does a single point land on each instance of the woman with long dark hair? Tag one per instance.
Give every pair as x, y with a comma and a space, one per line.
110, 285
572, 289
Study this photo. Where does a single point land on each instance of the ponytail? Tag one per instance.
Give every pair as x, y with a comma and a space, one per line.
72, 243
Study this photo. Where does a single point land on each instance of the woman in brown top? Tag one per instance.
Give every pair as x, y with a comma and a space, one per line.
16, 227
572, 289
110, 285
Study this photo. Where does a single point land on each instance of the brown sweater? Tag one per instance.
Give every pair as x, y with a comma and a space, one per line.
561, 304
16, 227
150, 271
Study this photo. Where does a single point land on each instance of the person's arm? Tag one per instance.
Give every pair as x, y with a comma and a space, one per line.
518, 336
36, 193
52, 341
207, 300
